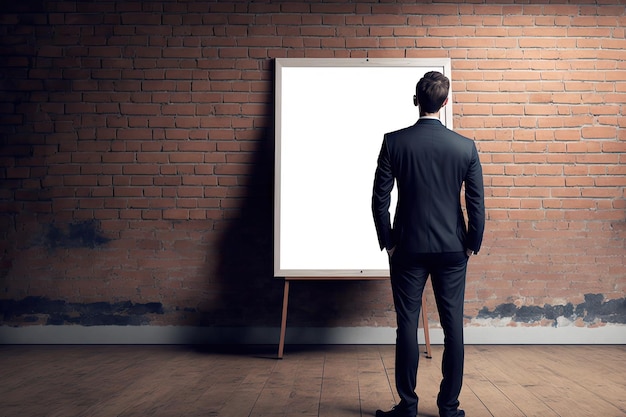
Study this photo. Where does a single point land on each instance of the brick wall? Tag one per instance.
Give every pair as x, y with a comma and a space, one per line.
136, 156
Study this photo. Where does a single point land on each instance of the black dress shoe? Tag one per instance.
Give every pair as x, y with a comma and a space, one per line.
395, 412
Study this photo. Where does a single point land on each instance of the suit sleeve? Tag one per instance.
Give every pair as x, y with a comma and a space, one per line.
381, 198
475, 203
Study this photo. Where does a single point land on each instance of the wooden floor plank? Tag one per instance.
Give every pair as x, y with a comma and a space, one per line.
340, 391
602, 377
375, 391
551, 382
515, 399
313, 381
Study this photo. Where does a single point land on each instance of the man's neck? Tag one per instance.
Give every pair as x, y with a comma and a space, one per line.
429, 115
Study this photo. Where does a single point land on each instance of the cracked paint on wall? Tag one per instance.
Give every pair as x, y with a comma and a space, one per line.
85, 234
595, 309
40, 310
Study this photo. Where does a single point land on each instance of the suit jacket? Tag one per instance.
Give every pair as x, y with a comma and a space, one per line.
429, 164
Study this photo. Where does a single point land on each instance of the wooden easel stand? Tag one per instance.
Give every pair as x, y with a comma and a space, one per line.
283, 323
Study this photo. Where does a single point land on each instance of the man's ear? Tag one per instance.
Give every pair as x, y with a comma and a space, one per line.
445, 102
415, 100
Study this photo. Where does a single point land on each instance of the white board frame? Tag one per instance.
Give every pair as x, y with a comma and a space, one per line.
309, 94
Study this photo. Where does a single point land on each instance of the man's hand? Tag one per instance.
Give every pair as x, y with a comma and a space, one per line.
391, 251
469, 252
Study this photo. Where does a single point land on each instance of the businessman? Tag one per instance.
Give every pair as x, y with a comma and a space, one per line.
429, 237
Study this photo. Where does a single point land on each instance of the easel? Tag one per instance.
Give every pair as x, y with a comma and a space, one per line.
283, 323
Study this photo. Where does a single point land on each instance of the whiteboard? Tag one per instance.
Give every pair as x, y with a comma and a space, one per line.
331, 116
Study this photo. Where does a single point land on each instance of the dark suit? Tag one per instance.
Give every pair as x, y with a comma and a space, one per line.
430, 164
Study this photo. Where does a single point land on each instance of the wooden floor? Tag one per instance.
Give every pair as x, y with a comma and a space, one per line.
337, 381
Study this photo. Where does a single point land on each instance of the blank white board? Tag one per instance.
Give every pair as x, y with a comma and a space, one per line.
331, 116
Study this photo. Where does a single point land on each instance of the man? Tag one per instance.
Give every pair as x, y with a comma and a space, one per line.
429, 163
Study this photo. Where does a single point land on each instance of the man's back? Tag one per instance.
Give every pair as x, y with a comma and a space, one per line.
430, 164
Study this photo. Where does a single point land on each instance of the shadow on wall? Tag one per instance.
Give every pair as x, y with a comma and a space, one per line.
249, 294
238, 289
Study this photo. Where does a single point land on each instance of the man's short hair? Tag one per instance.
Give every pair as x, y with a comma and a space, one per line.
432, 90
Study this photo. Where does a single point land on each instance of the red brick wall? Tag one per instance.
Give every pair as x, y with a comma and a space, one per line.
136, 156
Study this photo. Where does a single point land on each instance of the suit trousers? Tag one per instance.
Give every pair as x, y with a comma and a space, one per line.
409, 273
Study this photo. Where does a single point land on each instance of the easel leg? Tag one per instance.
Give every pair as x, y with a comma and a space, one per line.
283, 322
425, 325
